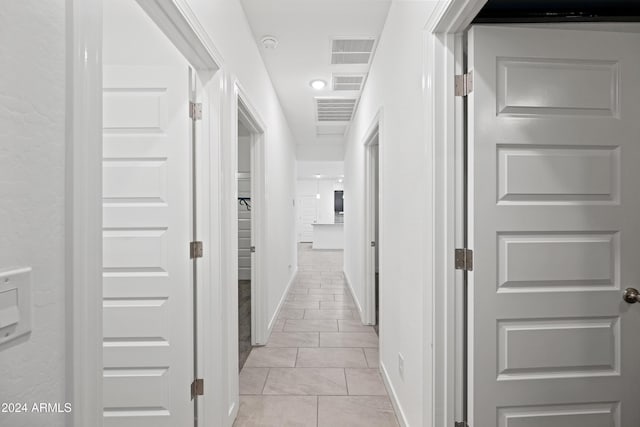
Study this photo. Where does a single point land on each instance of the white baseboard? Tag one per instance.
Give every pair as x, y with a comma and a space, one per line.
353, 295
393, 396
274, 318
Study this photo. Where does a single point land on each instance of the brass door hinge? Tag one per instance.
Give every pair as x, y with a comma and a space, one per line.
464, 259
195, 111
464, 84
195, 250
197, 388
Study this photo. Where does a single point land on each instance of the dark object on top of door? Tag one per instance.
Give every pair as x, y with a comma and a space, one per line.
510, 11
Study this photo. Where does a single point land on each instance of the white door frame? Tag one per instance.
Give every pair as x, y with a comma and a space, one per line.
235, 103
444, 123
249, 117
84, 192
368, 314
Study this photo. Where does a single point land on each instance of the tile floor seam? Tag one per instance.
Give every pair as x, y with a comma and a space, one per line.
346, 382
266, 378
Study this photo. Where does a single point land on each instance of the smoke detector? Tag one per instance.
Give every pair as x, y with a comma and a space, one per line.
269, 42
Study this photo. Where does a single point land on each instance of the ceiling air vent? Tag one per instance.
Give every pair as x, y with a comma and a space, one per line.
348, 81
351, 51
331, 130
335, 109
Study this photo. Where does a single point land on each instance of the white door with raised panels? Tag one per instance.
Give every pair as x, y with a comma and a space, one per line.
148, 307
554, 222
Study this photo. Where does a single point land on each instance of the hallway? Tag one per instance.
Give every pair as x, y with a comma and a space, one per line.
320, 365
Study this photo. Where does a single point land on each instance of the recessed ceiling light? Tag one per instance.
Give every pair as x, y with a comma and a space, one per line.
318, 84
340, 180
269, 42
318, 176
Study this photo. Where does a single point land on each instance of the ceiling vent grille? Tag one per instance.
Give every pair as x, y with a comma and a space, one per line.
335, 109
348, 82
331, 130
351, 51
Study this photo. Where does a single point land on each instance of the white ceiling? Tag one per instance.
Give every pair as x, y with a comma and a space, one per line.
304, 29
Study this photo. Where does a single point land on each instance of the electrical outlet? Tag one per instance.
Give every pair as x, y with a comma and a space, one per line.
401, 366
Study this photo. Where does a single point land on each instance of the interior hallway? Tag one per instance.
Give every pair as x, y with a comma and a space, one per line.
320, 365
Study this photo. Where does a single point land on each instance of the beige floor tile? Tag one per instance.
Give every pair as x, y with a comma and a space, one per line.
348, 339
353, 325
331, 285
307, 285
355, 411
335, 291
278, 325
337, 305
331, 358
265, 357
277, 411
365, 382
297, 305
346, 297
306, 381
288, 313
294, 339
302, 325
252, 380
317, 297
328, 314
373, 357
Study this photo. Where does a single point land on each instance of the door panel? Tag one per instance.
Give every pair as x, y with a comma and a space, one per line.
147, 308
554, 217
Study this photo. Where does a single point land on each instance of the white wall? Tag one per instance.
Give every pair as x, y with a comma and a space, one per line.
324, 152
309, 169
32, 202
395, 84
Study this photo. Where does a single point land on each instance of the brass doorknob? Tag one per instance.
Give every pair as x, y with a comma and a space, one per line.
631, 295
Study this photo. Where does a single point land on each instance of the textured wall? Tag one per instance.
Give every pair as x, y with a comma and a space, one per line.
395, 83
32, 150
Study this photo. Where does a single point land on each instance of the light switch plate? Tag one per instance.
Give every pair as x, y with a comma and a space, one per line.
15, 303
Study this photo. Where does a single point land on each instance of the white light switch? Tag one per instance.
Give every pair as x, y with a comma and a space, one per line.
15, 303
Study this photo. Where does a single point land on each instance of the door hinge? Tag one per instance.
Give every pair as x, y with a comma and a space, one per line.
373, 244
195, 250
461, 424
464, 259
195, 110
197, 388
464, 84
252, 249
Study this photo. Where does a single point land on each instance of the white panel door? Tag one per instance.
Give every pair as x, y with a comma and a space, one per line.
554, 211
309, 216
148, 323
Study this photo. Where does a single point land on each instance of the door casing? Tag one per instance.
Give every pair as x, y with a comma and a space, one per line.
372, 139
84, 193
443, 41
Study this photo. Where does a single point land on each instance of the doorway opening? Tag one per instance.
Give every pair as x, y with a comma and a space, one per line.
252, 327
245, 243
372, 231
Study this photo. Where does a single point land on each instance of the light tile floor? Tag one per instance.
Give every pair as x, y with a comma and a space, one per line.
320, 366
